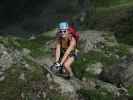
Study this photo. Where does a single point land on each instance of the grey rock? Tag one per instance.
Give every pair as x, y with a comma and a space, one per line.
131, 51
88, 83
45, 60
119, 74
108, 86
22, 76
5, 60
27, 66
26, 51
2, 78
95, 69
32, 37
17, 56
2, 48
66, 87
96, 40
1, 73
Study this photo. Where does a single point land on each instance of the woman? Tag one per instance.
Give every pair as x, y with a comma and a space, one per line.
65, 48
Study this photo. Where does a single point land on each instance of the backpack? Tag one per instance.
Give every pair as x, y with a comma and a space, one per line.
75, 34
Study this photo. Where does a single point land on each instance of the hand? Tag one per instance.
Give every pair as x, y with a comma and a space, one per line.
57, 64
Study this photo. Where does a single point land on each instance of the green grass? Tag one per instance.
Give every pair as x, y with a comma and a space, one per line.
57, 97
35, 43
91, 58
12, 87
104, 3
130, 90
108, 11
120, 50
36, 46
9, 41
107, 14
85, 60
121, 18
36, 73
125, 38
108, 56
94, 56
99, 94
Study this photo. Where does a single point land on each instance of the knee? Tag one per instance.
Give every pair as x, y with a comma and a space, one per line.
66, 64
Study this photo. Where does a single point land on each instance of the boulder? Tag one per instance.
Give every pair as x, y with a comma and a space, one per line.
120, 73
93, 40
95, 69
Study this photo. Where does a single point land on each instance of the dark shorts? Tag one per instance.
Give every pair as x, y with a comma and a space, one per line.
73, 53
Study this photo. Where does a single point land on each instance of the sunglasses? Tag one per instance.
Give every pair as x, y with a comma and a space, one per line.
62, 31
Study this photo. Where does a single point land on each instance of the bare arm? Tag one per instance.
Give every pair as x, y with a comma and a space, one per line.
57, 52
68, 51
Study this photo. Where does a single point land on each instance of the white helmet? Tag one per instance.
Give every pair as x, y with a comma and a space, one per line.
63, 26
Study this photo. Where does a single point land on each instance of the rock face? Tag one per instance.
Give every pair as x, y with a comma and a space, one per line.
96, 69
121, 73
8, 57
18, 66
23, 74
91, 40
66, 88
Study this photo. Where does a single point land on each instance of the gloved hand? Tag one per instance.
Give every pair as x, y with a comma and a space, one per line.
57, 67
57, 64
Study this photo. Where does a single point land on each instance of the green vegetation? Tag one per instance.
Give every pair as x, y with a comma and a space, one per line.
99, 94
119, 50
104, 3
57, 97
127, 38
9, 41
115, 16
112, 15
108, 56
36, 72
13, 85
36, 46
130, 90
91, 58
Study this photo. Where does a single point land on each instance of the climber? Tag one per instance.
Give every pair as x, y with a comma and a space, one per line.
66, 47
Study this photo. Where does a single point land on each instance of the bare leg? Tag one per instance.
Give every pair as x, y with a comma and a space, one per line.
68, 64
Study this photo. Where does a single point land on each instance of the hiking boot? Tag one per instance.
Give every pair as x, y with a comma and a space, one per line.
70, 76
67, 77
